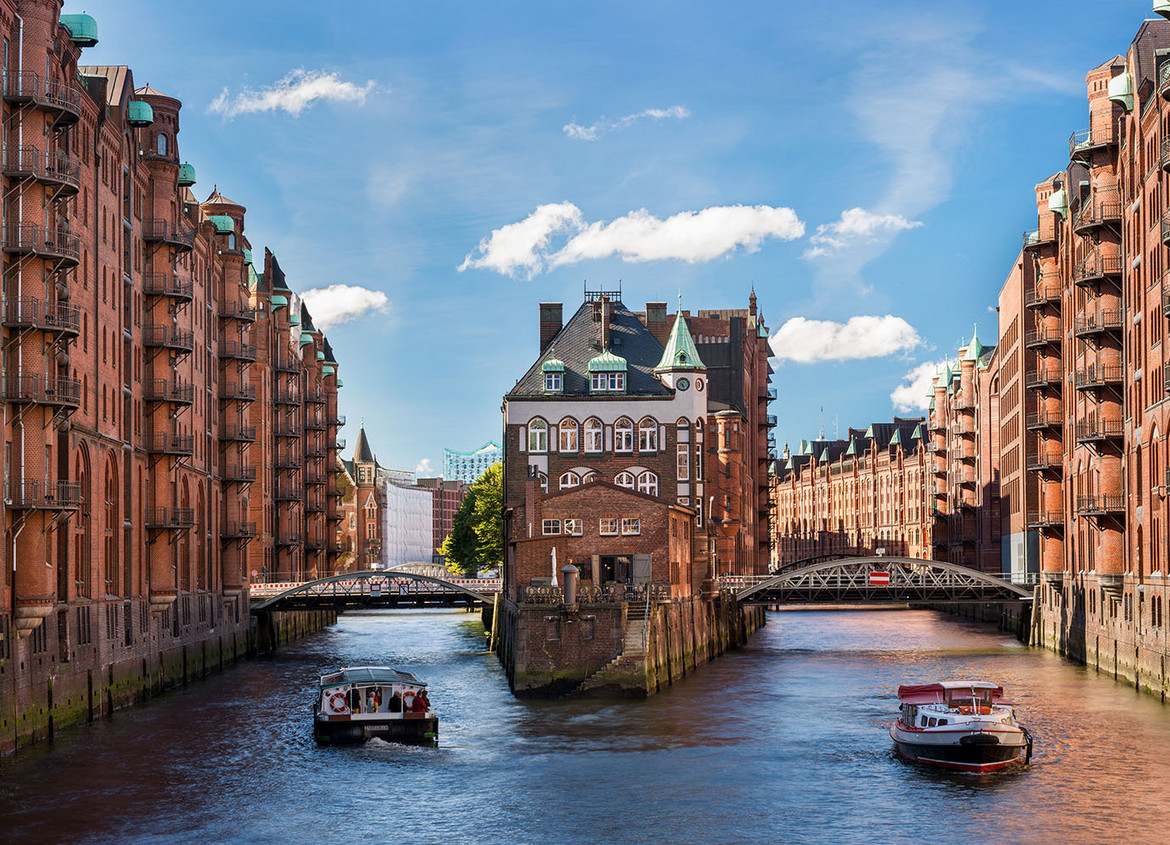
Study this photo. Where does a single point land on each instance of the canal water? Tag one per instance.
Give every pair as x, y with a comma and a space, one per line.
783, 741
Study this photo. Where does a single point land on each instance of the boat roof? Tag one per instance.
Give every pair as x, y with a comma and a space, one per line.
931, 693
369, 675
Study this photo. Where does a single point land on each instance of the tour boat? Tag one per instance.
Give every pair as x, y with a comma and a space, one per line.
961, 725
363, 702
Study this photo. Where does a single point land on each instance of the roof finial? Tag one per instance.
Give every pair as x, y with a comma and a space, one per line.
680, 301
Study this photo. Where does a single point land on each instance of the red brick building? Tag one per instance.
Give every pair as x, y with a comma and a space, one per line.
169, 411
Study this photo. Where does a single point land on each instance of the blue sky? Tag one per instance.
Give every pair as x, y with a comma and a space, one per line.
432, 171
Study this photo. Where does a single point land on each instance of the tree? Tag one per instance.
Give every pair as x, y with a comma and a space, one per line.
476, 541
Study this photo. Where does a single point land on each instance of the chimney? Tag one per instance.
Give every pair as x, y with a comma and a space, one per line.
656, 321
605, 312
550, 322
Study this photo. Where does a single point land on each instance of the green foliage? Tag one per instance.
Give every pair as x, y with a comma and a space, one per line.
476, 541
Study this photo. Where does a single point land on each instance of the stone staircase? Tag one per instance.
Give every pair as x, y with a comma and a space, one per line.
626, 673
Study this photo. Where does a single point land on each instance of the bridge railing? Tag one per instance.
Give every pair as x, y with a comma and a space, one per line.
378, 586
606, 594
735, 583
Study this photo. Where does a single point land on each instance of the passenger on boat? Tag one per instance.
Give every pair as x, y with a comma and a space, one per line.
373, 699
395, 703
420, 702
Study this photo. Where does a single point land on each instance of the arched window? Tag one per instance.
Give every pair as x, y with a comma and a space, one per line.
231, 240
162, 144
587, 477
543, 481
593, 432
113, 522
568, 435
648, 483
570, 479
623, 435
648, 435
625, 479
538, 436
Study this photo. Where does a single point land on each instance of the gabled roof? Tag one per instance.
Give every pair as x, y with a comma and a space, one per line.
147, 91
680, 352
117, 77
306, 318
579, 342
217, 198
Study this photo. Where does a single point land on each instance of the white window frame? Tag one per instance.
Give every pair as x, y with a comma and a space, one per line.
574, 527
569, 479
553, 382
683, 467
551, 527
608, 526
567, 436
648, 435
648, 483
631, 526
538, 436
623, 435
626, 479
614, 382
594, 436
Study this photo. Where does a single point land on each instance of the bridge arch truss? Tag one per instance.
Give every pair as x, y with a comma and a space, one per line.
371, 588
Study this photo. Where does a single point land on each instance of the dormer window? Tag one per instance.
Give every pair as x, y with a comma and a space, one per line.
607, 373
554, 375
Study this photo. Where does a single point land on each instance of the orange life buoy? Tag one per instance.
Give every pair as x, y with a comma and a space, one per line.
337, 703
407, 701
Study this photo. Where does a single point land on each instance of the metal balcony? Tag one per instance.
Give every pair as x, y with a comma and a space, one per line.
314, 506
287, 365
1097, 505
288, 538
1095, 267
58, 245
47, 495
1045, 519
36, 389
288, 493
1166, 304
287, 397
174, 392
239, 531
1042, 294
1041, 337
170, 518
1098, 430
237, 311
1043, 420
1034, 239
1101, 134
238, 433
1164, 82
169, 443
314, 423
166, 284
55, 318
314, 475
1042, 377
1044, 462
1087, 325
315, 397
768, 393
287, 462
49, 168
287, 429
238, 473
28, 88
237, 351
237, 392
169, 337
1098, 209
315, 450
1098, 376
340, 443
336, 419
172, 234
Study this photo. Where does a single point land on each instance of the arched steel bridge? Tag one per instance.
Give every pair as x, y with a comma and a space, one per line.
876, 580
372, 588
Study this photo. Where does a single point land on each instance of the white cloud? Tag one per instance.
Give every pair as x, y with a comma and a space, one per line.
855, 226
338, 304
293, 94
524, 249
809, 341
425, 469
914, 393
604, 126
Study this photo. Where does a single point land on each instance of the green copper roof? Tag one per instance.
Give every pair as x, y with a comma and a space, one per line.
139, 113
247, 255
974, 348
761, 330
340, 383
253, 279
294, 319
824, 458
279, 301
680, 352
897, 438
930, 407
607, 362
223, 223
852, 450
1058, 202
1121, 87
789, 465
869, 432
306, 338
320, 355
186, 175
328, 370
82, 29
553, 365
917, 435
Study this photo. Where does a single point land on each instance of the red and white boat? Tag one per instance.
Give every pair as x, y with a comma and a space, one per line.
960, 725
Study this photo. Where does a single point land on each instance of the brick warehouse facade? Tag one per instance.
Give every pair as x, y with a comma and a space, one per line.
636, 448
1050, 456
169, 412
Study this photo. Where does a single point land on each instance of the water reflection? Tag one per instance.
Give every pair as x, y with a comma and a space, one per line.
785, 740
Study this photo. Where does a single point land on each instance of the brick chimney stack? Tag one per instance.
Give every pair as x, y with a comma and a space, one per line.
656, 321
551, 320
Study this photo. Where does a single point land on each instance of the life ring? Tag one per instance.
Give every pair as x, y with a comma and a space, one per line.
407, 701
337, 703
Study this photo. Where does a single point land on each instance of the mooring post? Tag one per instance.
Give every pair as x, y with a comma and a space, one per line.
570, 579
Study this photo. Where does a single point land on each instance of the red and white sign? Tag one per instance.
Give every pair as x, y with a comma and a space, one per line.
879, 579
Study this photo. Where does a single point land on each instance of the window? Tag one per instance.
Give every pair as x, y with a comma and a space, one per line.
570, 479
607, 382
648, 435
648, 483
623, 435
553, 382
625, 479
371, 531
538, 436
552, 526
607, 526
593, 433
684, 461
574, 527
162, 144
631, 525
568, 435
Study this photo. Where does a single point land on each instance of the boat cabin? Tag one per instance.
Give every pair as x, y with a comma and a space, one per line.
948, 702
373, 692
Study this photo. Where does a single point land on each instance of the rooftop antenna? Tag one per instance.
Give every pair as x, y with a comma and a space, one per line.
836, 426
822, 422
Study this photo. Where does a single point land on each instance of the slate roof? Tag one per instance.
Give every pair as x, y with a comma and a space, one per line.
579, 341
361, 450
117, 77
